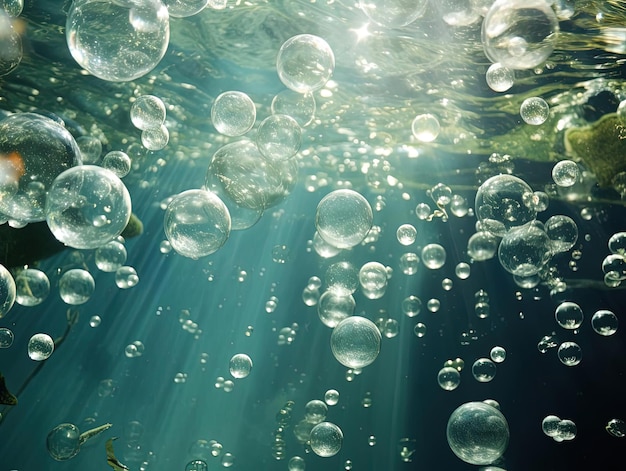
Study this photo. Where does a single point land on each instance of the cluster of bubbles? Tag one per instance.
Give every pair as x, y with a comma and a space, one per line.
559, 429
507, 208
147, 113
614, 265
478, 433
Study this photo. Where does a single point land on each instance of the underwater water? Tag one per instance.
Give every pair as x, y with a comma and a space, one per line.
378, 228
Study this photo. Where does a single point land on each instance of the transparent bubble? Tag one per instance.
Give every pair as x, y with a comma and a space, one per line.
433, 305
343, 218
90, 148
6, 337
296, 464
240, 365
279, 137
7, 291
425, 127
95, 321
247, 182
32, 287
87, 206
458, 12
411, 306
482, 246
331, 397
500, 204
34, 150
305, 63
422, 211
147, 112
76, 286
566, 430
117, 162
326, 439
333, 308
185, 8
604, 322
136, 349
614, 267
447, 284
569, 315
547, 342
484, 370
196, 465
406, 234
519, 34
616, 427
433, 256
448, 378
355, 342
525, 250
63, 442
570, 353
393, 13
477, 433
562, 231
463, 270
10, 44
409, 263
117, 41
373, 279
228, 460
617, 243
342, 278
419, 330
300, 106
550, 425
110, 256
498, 354
534, 110
565, 173
315, 411
390, 328
155, 138
40, 347
500, 78
233, 113
197, 223
126, 277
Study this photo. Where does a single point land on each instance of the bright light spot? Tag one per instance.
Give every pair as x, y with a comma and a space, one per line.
361, 33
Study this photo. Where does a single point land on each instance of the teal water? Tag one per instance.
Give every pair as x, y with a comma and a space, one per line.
192, 316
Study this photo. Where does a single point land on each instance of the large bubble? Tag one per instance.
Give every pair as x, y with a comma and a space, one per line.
33, 151
250, 180
343, 219
503, 202
355, 342
10, 45
233, 113
478, 433
305, 63
519, 34
87, 206
326, 439
393, 13
118, 41
7, 291
525, 250
197, 223
279, 137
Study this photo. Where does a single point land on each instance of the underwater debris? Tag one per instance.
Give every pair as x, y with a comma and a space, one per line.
112, 461
600, 146
5, 396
